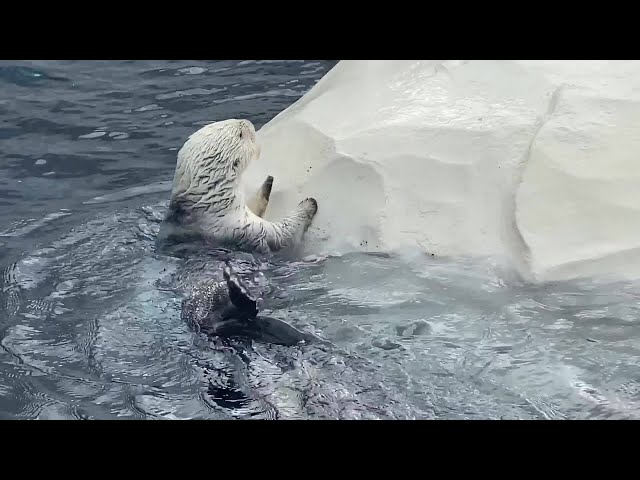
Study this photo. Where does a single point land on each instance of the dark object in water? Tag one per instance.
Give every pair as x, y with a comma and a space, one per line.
227, 309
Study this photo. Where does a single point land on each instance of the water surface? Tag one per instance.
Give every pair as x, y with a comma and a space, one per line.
88, 331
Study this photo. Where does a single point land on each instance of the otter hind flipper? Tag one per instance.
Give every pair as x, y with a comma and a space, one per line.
239, 295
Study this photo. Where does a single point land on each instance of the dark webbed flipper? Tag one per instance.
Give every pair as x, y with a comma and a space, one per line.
273, 330
228, 309
245, 303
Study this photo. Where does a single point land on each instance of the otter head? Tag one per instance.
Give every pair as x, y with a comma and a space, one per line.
214, 157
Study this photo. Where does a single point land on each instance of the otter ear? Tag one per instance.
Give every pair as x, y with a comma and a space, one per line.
236, 163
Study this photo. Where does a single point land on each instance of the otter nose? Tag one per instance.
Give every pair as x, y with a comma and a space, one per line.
246, 124
248, 130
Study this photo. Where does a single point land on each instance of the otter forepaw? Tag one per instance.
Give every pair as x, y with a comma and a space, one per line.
258, 203
266, 188
310, 207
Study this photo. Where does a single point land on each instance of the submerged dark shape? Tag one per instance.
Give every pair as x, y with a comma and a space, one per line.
228, 309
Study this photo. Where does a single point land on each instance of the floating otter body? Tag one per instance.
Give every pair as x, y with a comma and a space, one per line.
207, 201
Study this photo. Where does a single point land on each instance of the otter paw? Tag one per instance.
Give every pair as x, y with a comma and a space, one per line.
266, 187
310, 206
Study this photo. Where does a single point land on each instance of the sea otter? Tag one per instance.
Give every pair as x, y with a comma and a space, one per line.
206, 200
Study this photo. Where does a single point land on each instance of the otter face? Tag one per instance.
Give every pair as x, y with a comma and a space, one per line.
221, 149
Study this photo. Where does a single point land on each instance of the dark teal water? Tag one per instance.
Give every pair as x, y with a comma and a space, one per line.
87, 331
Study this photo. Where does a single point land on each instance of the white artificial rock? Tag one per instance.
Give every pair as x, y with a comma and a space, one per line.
530, 161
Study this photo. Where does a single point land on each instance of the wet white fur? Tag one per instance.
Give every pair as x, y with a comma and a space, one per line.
206, 185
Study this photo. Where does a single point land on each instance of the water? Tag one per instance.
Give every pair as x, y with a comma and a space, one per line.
88, 330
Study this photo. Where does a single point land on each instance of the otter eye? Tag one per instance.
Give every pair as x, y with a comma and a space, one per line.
236, 163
